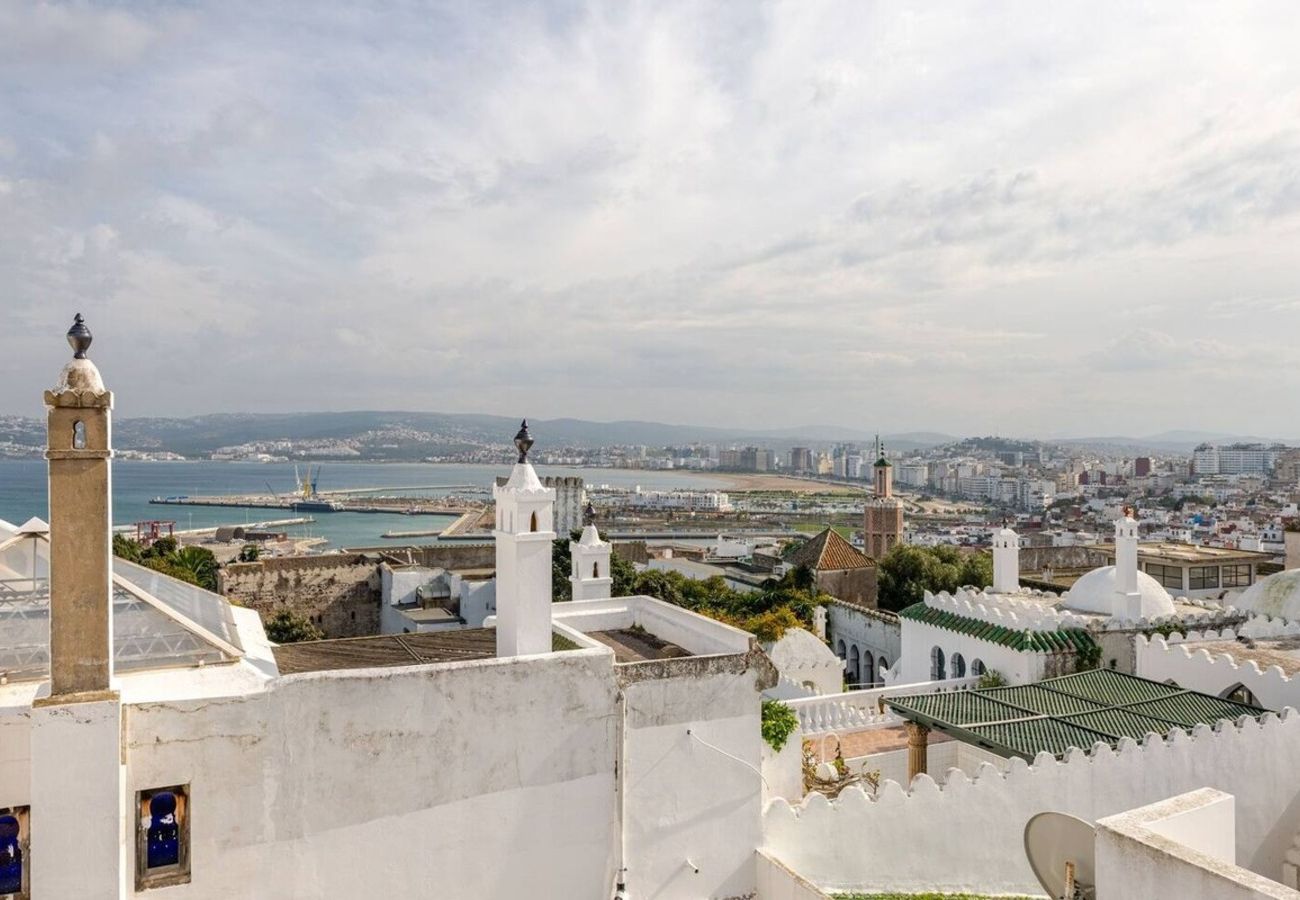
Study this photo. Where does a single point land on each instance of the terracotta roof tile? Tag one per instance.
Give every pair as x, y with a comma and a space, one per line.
829, 551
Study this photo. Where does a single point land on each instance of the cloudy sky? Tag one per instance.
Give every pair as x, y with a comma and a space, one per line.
1028, 218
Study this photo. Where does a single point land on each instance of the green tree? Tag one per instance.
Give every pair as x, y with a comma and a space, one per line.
624, 575
561, 568
906, 572
200, 563
250, 553
126, 548
288, 627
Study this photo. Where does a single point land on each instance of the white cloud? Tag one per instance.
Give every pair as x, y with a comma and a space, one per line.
946, 219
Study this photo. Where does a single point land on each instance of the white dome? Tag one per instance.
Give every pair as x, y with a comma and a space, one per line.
1096, 592
1278, 596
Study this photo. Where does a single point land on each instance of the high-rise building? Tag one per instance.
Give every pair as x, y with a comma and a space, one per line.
801, 460
1142, 467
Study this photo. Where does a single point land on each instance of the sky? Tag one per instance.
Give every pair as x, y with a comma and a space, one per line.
1036, 219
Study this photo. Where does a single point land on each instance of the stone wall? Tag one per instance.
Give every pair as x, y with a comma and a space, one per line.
851, 585
340, 593
1033, 560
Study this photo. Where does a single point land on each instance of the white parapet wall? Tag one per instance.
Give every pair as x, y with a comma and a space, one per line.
1217, 673
968, 836
1181, 847
857, 710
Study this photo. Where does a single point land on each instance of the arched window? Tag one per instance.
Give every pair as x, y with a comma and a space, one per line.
164, 835
840, 650
853, 665
868, 667
958, 666
937, 670
532, 522
882, 666
11, 854
595, 570
78, 435
977, 667
1239, 693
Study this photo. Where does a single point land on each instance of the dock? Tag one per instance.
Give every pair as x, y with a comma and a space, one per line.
411, 506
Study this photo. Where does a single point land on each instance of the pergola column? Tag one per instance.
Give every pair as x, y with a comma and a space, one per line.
918, 737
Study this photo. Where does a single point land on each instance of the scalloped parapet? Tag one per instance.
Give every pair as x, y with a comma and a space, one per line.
1219, 670
974, 826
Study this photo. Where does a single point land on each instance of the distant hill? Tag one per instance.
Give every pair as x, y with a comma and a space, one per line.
1171, 441
411, 435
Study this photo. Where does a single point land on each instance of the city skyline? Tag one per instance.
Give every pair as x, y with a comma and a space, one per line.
1005, 219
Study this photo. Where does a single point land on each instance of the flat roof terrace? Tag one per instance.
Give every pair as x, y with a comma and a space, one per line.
637, 645
1189, 554
1283, 652
386, 650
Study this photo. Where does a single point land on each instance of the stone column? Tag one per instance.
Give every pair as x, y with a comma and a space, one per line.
917, 740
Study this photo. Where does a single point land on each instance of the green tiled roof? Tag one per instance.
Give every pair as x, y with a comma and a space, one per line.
1069, 711
1065, 639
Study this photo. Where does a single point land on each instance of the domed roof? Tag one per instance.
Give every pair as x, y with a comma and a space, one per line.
1278, 596
1096, 592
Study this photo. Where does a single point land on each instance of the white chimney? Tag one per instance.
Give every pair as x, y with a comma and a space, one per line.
1006, 562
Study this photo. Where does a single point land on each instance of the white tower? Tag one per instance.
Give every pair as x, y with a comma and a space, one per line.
591, 576
1126, 568
1006, 561
525, 508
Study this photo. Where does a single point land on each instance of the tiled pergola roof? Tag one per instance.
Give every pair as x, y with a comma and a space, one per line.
1069, 711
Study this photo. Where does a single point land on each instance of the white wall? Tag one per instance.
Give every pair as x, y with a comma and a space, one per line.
920, 638
892, 842
940, 758
777, 882
1180, 847
1216, 673
712, 795
783, 770
478, 779
871, 634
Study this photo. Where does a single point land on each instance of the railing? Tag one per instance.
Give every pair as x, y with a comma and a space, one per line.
857, 710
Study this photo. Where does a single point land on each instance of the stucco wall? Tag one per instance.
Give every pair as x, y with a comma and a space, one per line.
692, 757
1216, 673
892, 842
340, 593
777, 882
475, 779
919, 640
874, 634
1181, 847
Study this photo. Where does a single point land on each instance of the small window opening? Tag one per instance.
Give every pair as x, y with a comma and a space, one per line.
78, 435
595, 570
163, 838
14, 875
532, 522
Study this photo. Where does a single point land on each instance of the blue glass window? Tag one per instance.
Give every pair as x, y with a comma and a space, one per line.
164, 835
11, 856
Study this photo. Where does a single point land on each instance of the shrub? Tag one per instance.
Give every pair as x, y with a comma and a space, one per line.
779, 721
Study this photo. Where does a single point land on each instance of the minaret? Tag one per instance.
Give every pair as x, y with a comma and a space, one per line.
75, 740
1006, 561
81, 548
883, 520
524, 516
591, 576
1126, 567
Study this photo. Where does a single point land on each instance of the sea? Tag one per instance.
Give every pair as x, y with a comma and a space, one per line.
23, 492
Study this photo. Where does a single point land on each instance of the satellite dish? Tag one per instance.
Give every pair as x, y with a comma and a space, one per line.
1060, 848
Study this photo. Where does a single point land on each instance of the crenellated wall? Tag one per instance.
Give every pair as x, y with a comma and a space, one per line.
922, 839
1215, 672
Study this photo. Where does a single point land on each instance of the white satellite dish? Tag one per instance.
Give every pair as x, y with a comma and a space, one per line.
1061, 852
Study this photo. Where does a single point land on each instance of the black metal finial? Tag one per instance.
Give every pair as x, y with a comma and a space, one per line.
589, 514
523, 441
79, 337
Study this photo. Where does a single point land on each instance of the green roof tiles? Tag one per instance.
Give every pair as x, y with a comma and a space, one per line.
1063, 640
1068, 711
